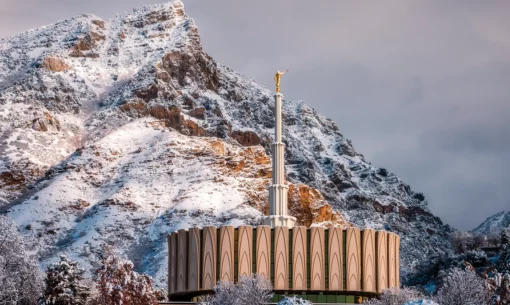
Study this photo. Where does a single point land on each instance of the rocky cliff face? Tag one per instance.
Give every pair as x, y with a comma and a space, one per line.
119, 131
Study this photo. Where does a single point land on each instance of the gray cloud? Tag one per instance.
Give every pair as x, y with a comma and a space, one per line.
421, 87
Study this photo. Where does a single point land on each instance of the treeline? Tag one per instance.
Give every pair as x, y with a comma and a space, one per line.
23, 283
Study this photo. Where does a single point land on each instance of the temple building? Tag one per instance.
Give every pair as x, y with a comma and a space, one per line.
324, 265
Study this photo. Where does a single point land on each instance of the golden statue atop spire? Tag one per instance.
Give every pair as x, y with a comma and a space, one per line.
277, 78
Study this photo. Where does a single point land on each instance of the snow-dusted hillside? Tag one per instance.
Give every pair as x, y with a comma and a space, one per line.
494, 223
119, 131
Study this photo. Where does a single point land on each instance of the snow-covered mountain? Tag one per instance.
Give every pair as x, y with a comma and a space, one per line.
120, 131
494, 223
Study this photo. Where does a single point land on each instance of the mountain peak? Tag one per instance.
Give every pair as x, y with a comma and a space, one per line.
494, 223
156, 14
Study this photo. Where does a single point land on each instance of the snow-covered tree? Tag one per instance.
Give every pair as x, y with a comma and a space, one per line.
504, 259
396, 296
462, 241
500, 286
20, 276
64, 284
250, 290
225, 293
294, 301
505, 239
119, 284
254, 290
463, 287
422, 302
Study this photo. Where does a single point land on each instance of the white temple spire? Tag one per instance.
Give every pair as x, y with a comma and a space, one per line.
278, 190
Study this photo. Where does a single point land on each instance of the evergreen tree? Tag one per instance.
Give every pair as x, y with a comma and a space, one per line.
63, 284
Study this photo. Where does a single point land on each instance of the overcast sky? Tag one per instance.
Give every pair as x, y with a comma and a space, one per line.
421, 87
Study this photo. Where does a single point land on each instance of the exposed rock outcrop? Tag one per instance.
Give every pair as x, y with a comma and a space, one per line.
55, 64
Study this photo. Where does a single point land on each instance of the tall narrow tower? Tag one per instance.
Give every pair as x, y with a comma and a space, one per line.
278, 190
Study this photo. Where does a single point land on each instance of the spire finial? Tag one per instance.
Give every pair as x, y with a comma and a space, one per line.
277, 78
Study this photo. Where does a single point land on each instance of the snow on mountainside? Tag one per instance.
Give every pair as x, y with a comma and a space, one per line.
494, 223
120, 131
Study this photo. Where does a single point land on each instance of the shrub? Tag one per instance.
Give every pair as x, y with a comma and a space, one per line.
294, 301
462, 287
250, 290
395, 296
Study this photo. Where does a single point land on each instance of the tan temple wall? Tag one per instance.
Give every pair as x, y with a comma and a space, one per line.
227, 253
281, 258
245, 251
298, 259
381, 238
317, 264
263, 244
368, 260
172, 262
208, 261
353, 262
194, 259
335, 255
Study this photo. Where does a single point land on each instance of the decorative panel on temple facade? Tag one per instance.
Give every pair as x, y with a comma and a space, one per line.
226, 253
391, 260
317, 264
352, 256
172, 267
335, 263
182, 258
381, 238
281, 253
397, 261
299, 258
368, 260
194, 259
263, 247
244, 249
209, 258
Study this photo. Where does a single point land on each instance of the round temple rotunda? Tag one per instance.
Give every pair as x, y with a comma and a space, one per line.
323, 265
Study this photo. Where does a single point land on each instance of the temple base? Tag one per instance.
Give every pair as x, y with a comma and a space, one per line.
278, 220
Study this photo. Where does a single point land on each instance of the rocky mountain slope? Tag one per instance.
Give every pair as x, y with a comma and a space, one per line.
494, 223
120, 131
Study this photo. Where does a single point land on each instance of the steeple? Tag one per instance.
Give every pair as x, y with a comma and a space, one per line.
278, 190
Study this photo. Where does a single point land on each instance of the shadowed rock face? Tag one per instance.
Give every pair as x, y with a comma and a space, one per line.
131, 130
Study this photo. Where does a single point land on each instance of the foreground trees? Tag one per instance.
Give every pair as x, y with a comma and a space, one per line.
463, 287
20, 277
393, 296
250, 290
64, 284
119, 284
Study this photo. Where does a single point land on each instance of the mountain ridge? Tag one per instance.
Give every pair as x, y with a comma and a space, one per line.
493, 223
68, 100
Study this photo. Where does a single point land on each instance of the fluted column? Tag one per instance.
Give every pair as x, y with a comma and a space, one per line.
278, 190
